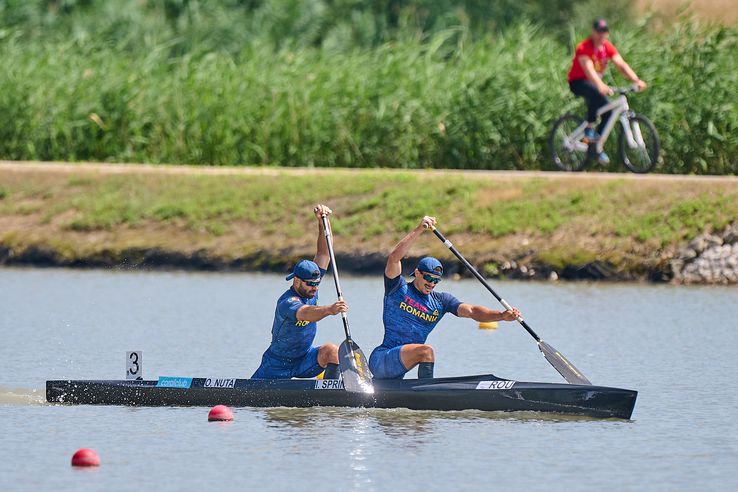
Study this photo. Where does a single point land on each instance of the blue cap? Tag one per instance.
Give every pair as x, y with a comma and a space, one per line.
305, 270
430, 265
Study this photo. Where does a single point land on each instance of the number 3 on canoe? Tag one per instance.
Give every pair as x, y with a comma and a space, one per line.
134, 367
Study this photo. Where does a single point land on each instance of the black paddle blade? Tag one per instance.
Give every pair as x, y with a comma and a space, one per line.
562, 364
354, 366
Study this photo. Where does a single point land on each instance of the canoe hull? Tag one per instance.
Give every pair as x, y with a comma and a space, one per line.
485, 392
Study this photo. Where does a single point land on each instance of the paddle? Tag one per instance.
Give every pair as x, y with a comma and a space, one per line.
352, 362
553, 356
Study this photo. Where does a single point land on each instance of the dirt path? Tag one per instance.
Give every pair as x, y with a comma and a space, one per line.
64, 167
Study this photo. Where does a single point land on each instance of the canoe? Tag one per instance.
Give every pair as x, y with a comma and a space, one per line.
484, 392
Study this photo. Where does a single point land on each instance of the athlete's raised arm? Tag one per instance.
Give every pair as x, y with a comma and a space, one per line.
322, 258
394, 261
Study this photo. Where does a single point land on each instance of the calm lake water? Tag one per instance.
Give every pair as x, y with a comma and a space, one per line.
675, 345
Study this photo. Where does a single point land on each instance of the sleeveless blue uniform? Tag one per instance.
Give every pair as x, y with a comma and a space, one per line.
291, 353
409, 316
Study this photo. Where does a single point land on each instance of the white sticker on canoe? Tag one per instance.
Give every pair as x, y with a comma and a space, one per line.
495, 385
220, 382
329, 384
134, 365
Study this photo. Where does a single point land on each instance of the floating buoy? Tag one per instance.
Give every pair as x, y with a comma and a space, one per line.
85, 457
488, 325
220, 413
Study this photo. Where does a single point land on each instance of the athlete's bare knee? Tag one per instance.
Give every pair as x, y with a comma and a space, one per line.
328, 354
425, 353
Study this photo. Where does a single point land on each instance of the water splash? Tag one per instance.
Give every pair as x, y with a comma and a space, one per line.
22, 396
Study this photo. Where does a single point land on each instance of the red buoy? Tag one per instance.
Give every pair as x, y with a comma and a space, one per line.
85, 457
220, 412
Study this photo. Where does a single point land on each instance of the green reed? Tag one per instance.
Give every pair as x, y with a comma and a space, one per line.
134, 87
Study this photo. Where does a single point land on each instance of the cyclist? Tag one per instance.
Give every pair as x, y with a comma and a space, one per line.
585, 77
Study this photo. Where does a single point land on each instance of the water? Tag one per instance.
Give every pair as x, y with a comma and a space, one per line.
675, 345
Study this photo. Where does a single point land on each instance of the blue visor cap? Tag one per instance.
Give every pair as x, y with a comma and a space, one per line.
305, 270
430, 265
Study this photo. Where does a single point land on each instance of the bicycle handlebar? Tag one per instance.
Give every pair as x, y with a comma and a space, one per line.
625, 90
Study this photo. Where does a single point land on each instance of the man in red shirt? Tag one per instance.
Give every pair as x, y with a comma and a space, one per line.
585, 76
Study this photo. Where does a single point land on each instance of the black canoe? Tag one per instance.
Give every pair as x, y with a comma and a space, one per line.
484, 392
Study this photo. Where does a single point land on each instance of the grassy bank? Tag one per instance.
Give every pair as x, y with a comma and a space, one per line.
226, 84
261, 219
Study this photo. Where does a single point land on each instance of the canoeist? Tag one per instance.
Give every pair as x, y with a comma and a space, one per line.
412, 310
291, 353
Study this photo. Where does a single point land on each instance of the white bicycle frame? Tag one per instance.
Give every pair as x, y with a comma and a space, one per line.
620, 111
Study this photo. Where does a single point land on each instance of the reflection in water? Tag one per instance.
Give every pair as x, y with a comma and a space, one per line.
411, 426
360, 451
400, 423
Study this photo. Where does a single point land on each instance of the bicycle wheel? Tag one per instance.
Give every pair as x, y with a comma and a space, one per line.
568, 151
641, 154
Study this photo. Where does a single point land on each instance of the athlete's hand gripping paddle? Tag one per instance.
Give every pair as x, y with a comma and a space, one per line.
553, 356
352, 362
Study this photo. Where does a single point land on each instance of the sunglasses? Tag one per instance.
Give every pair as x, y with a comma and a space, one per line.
311, 283
431, 278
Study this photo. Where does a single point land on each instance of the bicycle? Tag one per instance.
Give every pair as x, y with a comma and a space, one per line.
638, 142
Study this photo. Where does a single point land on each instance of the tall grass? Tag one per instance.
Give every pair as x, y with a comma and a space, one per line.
151, 84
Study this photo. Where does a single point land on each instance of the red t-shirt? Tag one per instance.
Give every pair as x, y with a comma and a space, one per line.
598, 56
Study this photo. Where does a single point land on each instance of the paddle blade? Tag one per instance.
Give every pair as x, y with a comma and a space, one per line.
562, 364
354, 366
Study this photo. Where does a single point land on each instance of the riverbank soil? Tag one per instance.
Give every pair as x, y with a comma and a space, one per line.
513, 224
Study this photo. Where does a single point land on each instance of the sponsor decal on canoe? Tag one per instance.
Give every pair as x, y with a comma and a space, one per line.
329, 384
173, 382
495, 385
220, 382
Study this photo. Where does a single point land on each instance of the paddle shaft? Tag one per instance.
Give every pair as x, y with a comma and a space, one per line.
327, 233
474, 271
357, 377
553, 356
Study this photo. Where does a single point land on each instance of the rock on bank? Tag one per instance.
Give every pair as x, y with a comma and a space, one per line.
709, 259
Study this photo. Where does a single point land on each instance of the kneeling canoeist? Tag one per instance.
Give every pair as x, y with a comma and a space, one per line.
291, 353
412, 310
